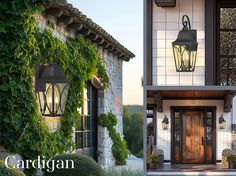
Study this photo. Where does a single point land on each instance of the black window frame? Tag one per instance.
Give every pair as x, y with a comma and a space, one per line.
212, 39
220, 5
82, 129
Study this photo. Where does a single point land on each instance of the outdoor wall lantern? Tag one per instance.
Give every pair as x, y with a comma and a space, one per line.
222, 122
52, 88
165, 123
185, 47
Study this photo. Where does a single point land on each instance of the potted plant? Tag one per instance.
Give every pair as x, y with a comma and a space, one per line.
232, 161
149, 162
157, 158
225, 153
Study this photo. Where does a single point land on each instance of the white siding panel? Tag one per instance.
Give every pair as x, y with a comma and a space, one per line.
166, 24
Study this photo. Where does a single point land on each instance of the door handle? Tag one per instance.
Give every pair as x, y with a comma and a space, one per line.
202, 141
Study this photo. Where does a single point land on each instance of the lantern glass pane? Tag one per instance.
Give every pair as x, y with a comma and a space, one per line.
164, 126
57, 95
64, 89
185, 59
48, 96
41, 101
86, 101
222, 125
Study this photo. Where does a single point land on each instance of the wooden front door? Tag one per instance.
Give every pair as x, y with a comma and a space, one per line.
193, 137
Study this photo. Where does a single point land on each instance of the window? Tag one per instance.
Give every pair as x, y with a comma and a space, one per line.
227, 46
86, 133
151, 128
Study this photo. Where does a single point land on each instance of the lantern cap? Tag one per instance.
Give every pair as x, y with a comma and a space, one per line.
51, 73
187, 38
165, 120
221, 119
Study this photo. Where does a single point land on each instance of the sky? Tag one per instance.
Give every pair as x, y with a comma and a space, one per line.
122, 19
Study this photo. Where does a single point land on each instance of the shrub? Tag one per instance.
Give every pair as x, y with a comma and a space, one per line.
226, 152
4, 171
149, 160
83, 165
157, 152
156, 158
231, 158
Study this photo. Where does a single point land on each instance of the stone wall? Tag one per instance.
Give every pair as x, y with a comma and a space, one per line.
110, 100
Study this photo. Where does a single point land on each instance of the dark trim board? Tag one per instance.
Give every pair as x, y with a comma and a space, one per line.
210, 42
180, 109
233, 88
149, 41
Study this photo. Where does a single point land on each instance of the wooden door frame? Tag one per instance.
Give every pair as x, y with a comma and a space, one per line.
198, 108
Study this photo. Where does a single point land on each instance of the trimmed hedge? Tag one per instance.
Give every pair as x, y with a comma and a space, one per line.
83, 165
4, 171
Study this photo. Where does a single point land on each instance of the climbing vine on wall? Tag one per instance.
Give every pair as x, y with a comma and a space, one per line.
22, 47
119, 146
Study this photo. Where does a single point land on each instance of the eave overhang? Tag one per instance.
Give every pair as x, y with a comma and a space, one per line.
75, 20
225, 93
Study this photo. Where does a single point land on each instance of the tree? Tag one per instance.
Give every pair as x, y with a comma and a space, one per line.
133, 131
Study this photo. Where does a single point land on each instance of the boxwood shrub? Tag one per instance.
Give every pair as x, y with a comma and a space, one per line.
83, 165
4, 171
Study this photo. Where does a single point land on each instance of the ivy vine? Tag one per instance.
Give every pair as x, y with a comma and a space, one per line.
22, 47
119, 146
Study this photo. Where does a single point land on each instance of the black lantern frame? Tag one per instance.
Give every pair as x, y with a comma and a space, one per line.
222, 122
52, 89
165, 123
185, 47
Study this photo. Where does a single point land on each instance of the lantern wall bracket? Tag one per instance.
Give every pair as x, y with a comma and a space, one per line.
186, 23
165, 3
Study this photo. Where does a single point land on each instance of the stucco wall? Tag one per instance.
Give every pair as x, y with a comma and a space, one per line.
223, 136
167, 22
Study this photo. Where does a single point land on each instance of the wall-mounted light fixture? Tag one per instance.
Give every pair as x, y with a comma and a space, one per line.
165, 123
52, 88
185, 48
222, 122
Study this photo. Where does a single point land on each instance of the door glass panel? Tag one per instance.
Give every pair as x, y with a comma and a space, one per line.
209, 123
177, 127
86, 130
150, 131
176, 136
